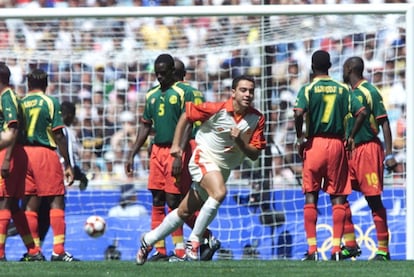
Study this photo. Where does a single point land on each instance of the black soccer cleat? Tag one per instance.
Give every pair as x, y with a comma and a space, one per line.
350, 252
382, 256
33, 258
311, 257
65, 257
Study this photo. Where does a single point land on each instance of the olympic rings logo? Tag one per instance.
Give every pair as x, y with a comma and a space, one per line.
364, 240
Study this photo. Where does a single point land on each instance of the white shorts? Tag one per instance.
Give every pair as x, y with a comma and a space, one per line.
201, 163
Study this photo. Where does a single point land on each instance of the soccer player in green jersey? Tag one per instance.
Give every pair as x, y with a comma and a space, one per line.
366, 165
45, 177
13, 166
326, 104
163, 107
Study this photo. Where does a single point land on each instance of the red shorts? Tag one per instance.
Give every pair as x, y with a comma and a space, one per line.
160, 177
366, 168
325, 160
44, 172
13, 186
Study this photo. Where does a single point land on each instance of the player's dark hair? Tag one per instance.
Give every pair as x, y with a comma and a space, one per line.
237, 79
357, 65
37, 79
179, 71
165, 58
4, 74
321, 60
68, 108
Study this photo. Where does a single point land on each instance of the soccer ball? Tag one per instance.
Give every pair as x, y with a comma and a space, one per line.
95, 226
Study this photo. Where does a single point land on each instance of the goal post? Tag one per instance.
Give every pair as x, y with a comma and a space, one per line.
255, 32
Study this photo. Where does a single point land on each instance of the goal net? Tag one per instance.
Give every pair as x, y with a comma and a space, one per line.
102, 60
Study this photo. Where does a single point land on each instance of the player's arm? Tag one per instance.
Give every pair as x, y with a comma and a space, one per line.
62, 144
257, 142
181, 136
8, 141
144, 130
8, 137
389, 161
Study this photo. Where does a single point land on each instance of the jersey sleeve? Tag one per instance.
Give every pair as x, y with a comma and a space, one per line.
258, 139
356, 105
9, 109
57, 121
203, 111
301, 102
378, 108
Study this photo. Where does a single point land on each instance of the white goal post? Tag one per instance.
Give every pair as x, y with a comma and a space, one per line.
407, 10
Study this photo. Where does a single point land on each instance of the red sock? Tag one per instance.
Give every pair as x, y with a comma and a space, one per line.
33, 226
349, 230
310, 215
338, 219
5, 216
22, 226
157, 216
380, 221
58, 225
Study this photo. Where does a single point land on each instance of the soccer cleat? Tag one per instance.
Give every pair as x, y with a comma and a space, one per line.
33, 258
65, 257
207, 250
159, 257
311, 257
381, 256
174, 258
143, 252
350, 252
337, 256
192, 249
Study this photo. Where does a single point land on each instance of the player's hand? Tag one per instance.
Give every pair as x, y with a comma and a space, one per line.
177, 167
176, 151
129, 167
390, 163
235, 134
300, 146
5, 169
69, 175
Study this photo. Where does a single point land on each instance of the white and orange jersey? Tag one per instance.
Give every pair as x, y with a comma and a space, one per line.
213, 136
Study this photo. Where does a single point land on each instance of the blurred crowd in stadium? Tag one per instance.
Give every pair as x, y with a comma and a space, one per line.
110, 92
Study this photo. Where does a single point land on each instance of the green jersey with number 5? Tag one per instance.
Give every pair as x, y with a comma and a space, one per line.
164, 109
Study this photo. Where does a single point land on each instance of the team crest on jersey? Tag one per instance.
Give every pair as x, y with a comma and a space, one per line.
152, 101
173, 99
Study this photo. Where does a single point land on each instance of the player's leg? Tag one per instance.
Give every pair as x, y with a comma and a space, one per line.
379, 216
310, 216
22, 227
173, 200
58, 225
213, 183
5, 216
31, 204
171, 222
338, 219
157, 216
350, 248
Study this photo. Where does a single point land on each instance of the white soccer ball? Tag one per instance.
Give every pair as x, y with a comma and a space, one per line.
95, 226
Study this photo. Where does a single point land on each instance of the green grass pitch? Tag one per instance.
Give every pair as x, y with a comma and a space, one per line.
215, 268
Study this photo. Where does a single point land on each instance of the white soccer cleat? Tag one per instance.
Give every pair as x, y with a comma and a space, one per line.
192, 250
143, 252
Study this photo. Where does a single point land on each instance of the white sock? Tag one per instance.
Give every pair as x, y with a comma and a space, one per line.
207, 213
170, 223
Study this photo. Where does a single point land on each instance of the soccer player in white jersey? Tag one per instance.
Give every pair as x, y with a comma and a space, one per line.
229, 132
